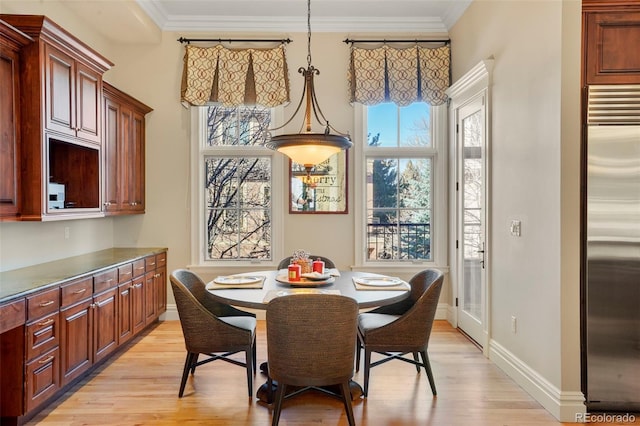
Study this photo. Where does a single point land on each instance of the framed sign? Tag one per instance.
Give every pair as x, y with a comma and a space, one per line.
324, 190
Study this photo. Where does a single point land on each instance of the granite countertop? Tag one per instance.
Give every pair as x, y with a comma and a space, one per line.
23, 281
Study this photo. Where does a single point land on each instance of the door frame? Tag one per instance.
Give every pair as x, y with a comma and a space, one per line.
475, 83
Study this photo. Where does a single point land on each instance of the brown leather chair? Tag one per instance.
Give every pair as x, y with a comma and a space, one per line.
401, 328
310, 343
212, 328
328, 263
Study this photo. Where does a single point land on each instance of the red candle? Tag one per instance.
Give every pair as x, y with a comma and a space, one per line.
318, 266
294, 272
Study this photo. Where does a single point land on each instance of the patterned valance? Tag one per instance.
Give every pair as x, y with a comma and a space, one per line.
402, 76
234, 77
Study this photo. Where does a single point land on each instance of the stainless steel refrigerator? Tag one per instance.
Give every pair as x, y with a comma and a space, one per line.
611, 336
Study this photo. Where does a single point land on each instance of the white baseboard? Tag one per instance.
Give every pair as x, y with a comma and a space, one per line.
564, 406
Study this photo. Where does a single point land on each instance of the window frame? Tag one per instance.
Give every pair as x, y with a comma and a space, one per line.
438, 153
199, 151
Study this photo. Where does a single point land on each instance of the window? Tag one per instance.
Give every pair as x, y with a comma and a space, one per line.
233, 197
402, 183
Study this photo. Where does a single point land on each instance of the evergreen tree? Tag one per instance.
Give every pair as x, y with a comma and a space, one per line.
385, 185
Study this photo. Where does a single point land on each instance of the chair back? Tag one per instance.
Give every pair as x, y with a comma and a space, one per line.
311, 339
413, 327
198, 289
328, 263
203, 331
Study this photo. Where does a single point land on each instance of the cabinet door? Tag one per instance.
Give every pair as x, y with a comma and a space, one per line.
136, 160
60, 91
105, 324
150, 302
76, 351
112, 154
9, 135
125, 314
125, 156
161, 290
42, 378
137, 304
89, 91
608, 56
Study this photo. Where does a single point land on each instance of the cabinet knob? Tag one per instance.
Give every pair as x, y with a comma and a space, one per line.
107, 204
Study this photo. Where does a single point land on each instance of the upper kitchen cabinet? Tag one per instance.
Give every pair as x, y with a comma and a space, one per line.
611, 30
11, 41
61, 122
124, 152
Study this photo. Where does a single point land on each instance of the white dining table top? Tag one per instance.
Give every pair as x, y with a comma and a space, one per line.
256, 297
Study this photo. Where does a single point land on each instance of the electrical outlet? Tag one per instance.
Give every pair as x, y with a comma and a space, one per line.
515, 228
67, 232
514, 324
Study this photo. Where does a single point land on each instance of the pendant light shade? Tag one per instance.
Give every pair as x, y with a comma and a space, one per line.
307, 148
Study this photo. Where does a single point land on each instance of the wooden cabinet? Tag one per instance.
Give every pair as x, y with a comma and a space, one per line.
42, 338
51, 338
60, 122
124, 146
610, 29
72, 103
11, 41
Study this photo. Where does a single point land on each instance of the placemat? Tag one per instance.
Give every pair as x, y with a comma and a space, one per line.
272, 294
361, 286
212, 285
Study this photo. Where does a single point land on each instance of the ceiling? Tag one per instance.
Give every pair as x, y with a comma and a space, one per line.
143, 21
424, 16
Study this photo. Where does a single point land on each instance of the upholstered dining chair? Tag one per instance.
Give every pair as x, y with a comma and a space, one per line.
310, 343
328, 263
211, 328
401, 328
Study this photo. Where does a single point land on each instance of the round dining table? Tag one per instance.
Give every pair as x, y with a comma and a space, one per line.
248, 294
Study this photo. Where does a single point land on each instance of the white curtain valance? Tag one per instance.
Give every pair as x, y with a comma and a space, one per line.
402, 76
235, 76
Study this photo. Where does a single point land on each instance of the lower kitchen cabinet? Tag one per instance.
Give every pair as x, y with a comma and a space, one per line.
51, 338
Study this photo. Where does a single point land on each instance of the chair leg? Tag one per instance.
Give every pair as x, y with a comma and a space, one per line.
194, 363
358, 349
278, 404
255, 366
185, 372
367, 367
249, 361
416, 359
346, 397
427, 367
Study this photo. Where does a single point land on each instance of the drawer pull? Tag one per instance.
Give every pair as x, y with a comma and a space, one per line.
49, 303
152, 264
46, 360
140, 268
82, 290
45, 323
137, 285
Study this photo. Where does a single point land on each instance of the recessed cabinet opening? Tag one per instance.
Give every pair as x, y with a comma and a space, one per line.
74, 177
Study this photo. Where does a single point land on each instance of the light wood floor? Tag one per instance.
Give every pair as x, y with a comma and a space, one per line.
140, 387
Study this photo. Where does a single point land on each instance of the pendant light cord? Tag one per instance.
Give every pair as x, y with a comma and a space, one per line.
308, 33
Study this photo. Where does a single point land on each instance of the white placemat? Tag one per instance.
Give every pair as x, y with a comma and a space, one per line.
272, 294
216, 283
361, 284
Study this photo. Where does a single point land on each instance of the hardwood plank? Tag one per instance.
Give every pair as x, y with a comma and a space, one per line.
140, 386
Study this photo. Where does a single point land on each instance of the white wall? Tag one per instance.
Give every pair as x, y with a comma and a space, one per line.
534, 156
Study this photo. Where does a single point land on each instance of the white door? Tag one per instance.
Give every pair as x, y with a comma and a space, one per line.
471, 203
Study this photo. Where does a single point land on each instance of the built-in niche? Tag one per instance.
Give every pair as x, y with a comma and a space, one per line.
74, 176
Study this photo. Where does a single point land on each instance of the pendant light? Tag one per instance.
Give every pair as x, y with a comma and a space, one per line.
308, 148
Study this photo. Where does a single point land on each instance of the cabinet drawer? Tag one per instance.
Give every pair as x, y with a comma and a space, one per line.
42, 378
12, 314
139, 268
43, 303
150, 263
76, 291
42, 335
125, 273
105, 280
161, 260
